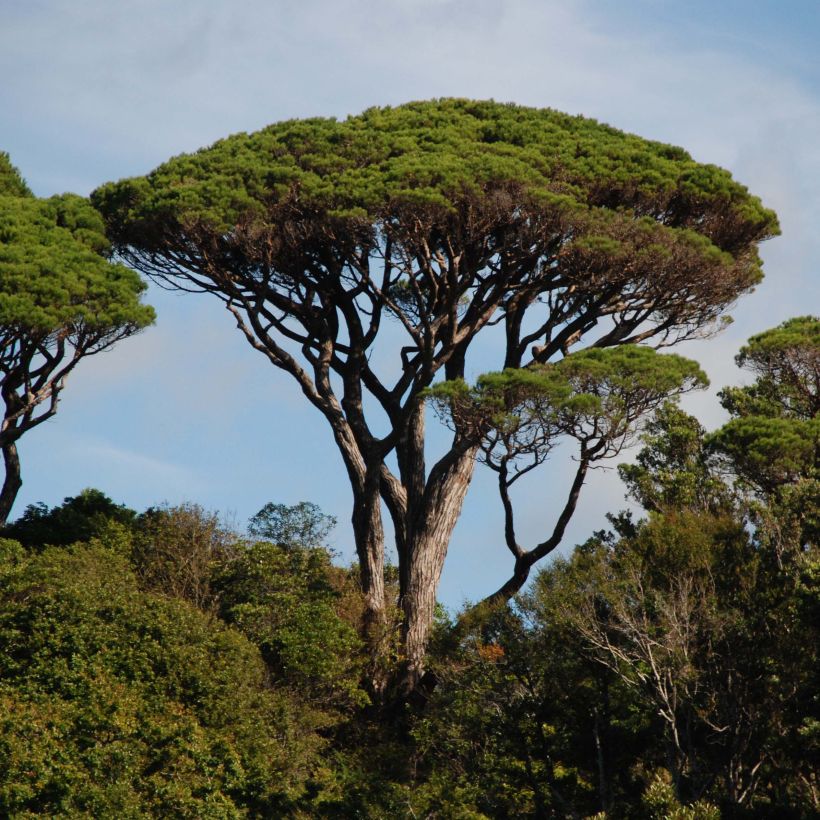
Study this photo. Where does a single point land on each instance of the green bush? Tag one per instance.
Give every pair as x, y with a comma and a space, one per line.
115, 702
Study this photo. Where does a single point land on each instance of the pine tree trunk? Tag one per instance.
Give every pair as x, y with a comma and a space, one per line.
12, 481
368, 533
369, 536
426, 549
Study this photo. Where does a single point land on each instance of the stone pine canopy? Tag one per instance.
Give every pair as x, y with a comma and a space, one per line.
296, 192
61, 299
56, 281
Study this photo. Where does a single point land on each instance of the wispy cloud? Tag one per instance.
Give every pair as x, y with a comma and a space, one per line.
151, 469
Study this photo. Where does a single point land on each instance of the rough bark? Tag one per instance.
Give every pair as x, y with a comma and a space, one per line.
426, 550
12, 482
369, 537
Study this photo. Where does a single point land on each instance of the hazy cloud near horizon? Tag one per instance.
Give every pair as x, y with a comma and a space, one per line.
98, 90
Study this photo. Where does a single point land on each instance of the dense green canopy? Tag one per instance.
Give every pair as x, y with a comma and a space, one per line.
432, 153
595, 395
772, 440
117, 702
11, 183
786, 361
55, 278
299, 192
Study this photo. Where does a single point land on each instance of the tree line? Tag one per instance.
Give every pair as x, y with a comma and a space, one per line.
162, 664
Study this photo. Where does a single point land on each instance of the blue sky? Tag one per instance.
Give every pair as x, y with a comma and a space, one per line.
94, 90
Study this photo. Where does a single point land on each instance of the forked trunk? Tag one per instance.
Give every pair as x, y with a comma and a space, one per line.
12, 481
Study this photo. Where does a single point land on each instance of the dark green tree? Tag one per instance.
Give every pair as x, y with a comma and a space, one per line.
449, 218
786, 362
298, 525
701, 620
709, 607
79, 518
61, 299
523, 724
675, 469
285, 600
772, 442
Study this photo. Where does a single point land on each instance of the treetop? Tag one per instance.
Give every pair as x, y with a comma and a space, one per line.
55, 271
786, 361
434, 155
770, 451
583, 389
596, 371
801, 332
11, 183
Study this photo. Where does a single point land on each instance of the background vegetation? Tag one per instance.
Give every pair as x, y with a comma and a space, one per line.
159, 664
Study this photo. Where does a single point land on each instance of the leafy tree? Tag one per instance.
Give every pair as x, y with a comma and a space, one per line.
79, 518
448, 217
772, 442
786, 361
710, 634
293, 603
285, 601
702, 623
178, 550
674, 469
653, 610
61, 299
285, 598
523, 725
708, 605
300, 525
595, 397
